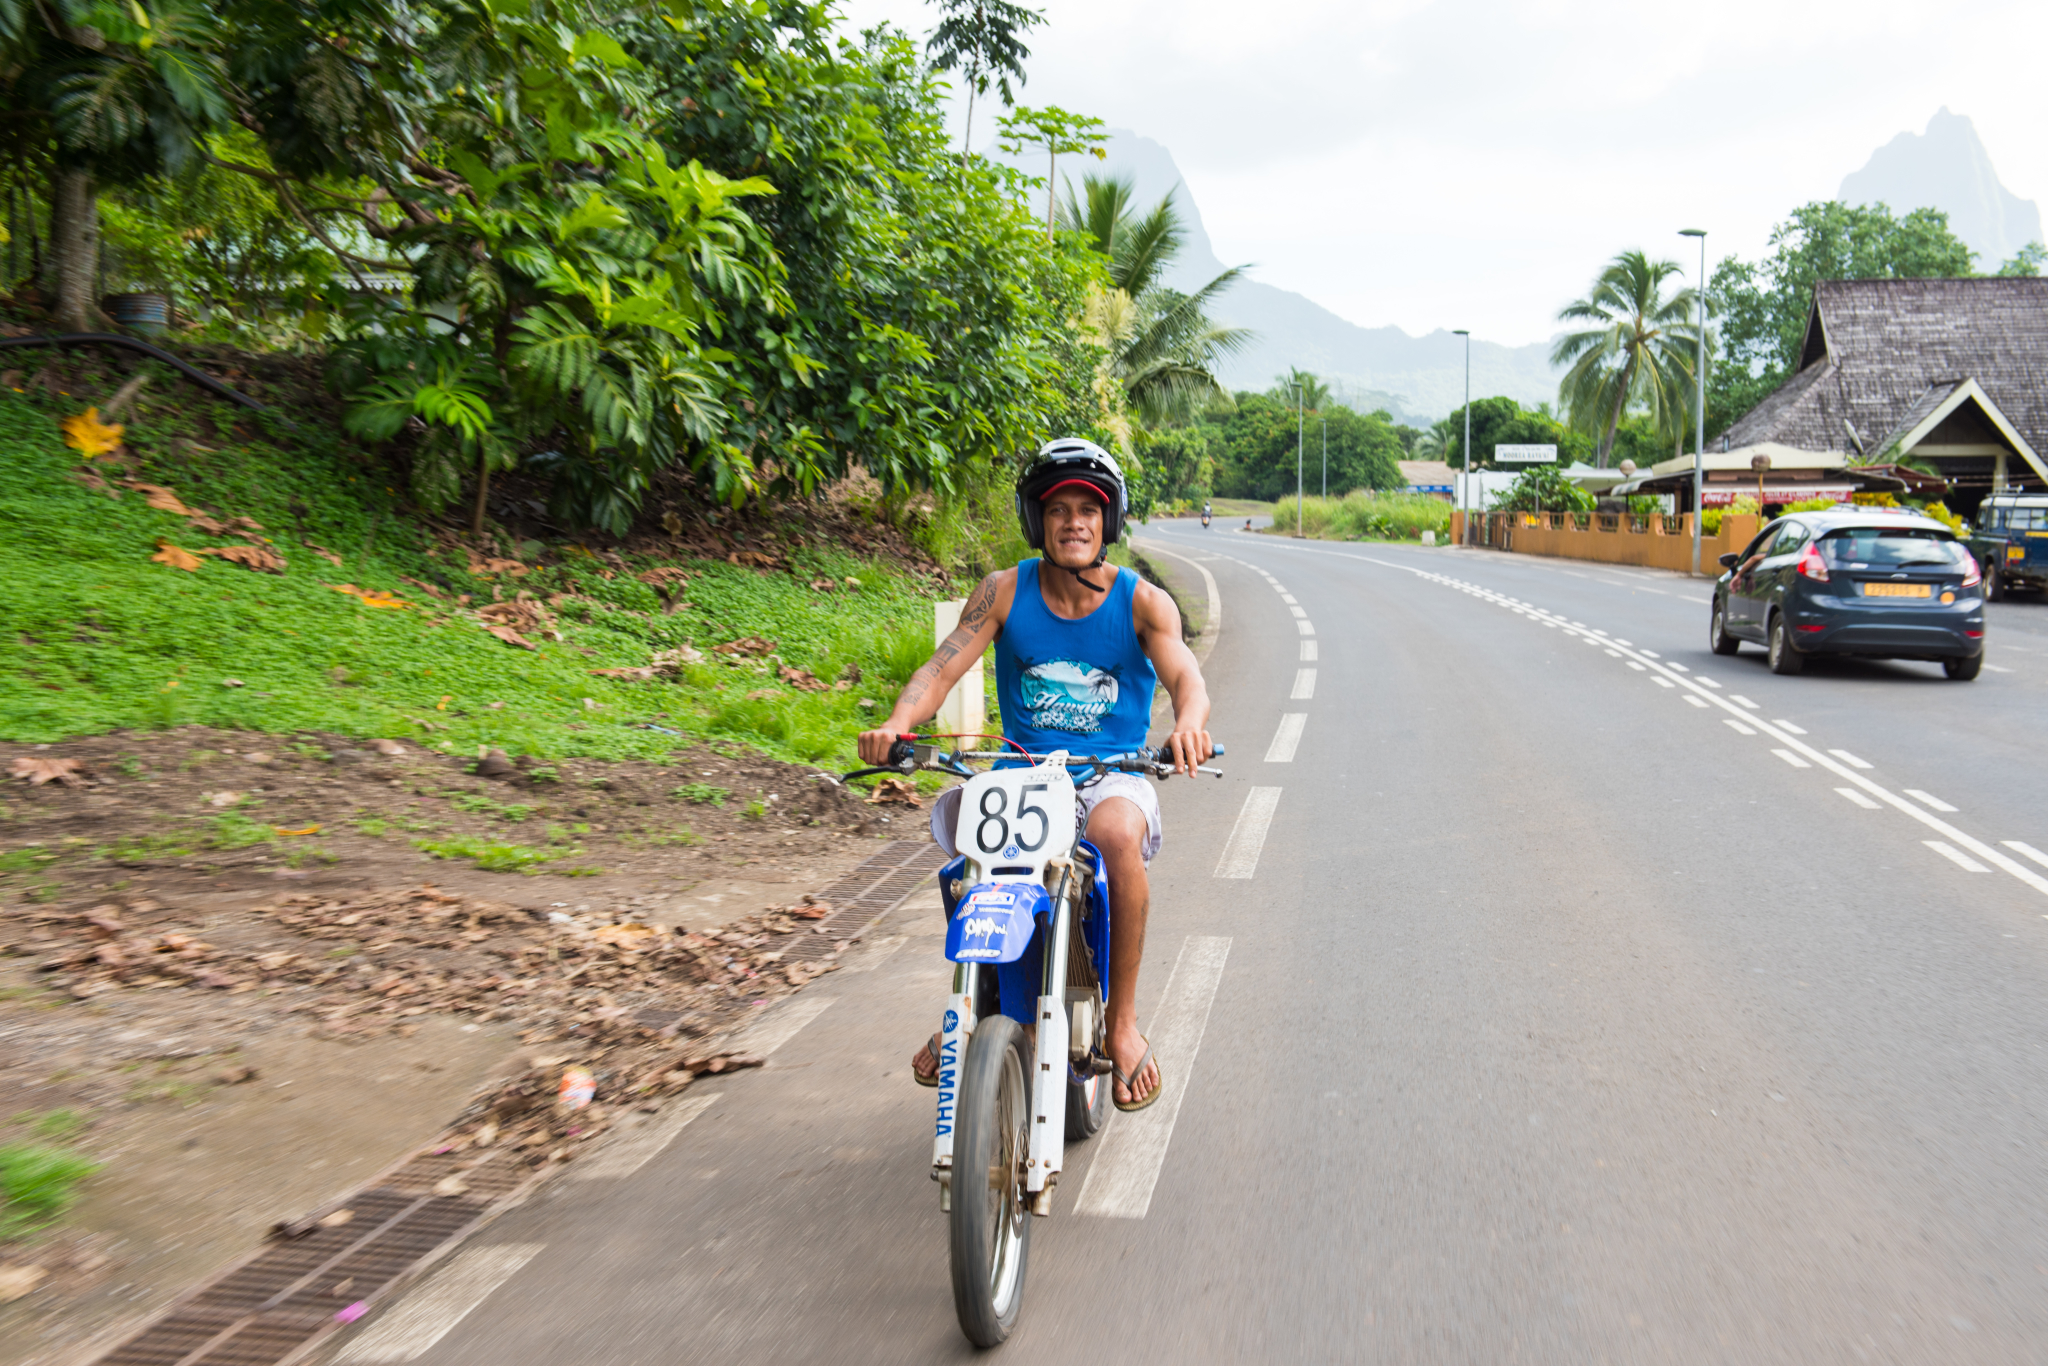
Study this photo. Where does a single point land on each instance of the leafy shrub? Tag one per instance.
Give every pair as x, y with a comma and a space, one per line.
702, 794
1363, 515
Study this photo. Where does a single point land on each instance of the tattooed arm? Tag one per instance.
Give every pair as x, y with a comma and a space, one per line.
986, 610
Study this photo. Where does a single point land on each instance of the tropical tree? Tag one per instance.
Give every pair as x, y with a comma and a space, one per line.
1056, 130
97, 93
1162, 345
1638, 352
1298, 385
981, 40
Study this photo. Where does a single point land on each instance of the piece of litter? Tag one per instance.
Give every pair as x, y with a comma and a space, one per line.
337, 1218
353, 1312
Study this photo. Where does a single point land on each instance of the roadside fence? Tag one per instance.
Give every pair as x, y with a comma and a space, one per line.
1654, 540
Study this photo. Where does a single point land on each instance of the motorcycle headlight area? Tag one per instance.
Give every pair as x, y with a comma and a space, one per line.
995, 922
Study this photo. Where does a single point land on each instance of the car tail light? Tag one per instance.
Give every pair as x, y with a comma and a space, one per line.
1811, 565
1971, 576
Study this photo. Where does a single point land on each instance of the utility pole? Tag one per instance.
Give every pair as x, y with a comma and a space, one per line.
1471, 501
1324, 422
1699, 444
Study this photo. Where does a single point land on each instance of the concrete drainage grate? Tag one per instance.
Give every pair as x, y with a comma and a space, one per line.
891, 874
275, 1307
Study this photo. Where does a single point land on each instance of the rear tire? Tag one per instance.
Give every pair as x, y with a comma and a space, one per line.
1994, 584
1717, 632
991, 1218
1963, 670
1784, 659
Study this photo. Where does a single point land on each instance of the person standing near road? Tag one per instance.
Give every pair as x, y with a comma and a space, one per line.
1079, 646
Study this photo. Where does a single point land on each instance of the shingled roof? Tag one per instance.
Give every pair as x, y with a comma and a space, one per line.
1881, 355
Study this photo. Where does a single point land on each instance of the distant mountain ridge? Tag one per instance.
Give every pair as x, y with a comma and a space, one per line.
1947, 168
1418, 379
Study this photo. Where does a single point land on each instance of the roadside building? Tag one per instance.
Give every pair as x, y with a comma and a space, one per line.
1950, 373
1433, 477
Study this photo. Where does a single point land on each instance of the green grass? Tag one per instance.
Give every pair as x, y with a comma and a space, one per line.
1363, 515
23, 859
233, 830
475, 801
37, 1184
702, 794
494, 856
101, 638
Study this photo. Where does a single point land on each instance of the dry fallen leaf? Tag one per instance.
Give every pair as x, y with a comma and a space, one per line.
672, 524
336, 1219
254, 557
85, 432
746, 645
672, 661
166, 553
662, 575
324, 553
451, 1185
509, 636
36, 772
387, 747
162, 498
308, 830
642, 674
628, 936
894, 792
371, 597
199, 521
223, 798
803, 680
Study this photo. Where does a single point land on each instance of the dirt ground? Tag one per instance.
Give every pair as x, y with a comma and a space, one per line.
225, 966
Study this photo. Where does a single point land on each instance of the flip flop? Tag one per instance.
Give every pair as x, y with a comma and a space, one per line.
1127, 1082
933, 1079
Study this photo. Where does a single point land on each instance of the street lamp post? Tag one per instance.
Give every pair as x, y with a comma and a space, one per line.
1324, 423
1300, 425
1471, 503
1699, 437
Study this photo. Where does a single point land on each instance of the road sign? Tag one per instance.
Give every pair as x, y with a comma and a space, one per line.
1525, 455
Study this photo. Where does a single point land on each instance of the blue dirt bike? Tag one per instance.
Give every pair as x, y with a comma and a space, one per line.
1022, 1038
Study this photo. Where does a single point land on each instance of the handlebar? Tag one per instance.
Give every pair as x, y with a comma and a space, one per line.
913, 752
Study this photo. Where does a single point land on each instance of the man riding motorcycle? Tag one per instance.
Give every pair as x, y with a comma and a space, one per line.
1079, 647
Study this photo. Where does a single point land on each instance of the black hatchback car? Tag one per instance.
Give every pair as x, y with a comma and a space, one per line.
1868, 582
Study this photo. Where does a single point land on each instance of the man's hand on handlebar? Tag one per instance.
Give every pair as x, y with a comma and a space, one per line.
1189, 747
875, 745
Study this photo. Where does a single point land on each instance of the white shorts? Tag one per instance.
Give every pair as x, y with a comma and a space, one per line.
1139, 791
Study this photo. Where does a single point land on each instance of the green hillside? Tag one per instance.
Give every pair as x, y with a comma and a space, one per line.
98, 635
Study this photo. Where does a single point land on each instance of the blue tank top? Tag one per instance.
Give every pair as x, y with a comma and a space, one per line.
1082, 686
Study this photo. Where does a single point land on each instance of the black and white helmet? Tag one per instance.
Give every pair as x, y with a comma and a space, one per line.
1071, 460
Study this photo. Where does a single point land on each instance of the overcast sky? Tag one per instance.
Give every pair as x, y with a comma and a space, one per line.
1473, 164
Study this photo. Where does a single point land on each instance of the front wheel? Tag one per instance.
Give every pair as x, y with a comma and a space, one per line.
1784, 659
1965, 669
1717, 632
991, 1219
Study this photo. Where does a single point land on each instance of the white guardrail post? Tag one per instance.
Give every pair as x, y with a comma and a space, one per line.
963, 711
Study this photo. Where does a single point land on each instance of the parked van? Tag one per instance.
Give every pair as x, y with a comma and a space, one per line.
2011, 542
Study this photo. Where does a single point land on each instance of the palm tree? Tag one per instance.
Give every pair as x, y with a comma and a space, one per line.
1639, 351
1163, 346
1312, 393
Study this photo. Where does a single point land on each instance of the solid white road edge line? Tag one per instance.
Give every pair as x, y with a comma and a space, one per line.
1857, 797
1287, 739
1207, 640
1777, 731
628, 1152
1937, 803
424, 1317
1240, 857
1131, 1154
2020, 846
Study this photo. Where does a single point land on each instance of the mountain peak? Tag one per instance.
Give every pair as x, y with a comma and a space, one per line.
1947, 168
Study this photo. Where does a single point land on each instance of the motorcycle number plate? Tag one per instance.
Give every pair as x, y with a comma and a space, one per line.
1017, 817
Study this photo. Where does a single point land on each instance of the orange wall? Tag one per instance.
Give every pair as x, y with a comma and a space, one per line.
1610, 540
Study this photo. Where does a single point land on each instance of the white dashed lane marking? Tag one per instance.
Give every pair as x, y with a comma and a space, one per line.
1306, 629
1956, 856
1240, 857
1128, 1158
1308, 651
1304, 685
2021, 847
1287, 739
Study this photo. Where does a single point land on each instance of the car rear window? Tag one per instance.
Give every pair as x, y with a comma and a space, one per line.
2027, 519
1871, 547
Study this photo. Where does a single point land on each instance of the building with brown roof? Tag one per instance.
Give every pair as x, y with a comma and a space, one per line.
1950, 372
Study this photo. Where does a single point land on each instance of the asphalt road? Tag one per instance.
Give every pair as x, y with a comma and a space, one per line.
1589, 998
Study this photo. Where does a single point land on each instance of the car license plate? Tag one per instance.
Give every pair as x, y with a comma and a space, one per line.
1897, 590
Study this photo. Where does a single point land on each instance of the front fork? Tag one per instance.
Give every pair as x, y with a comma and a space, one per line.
1046, 1151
